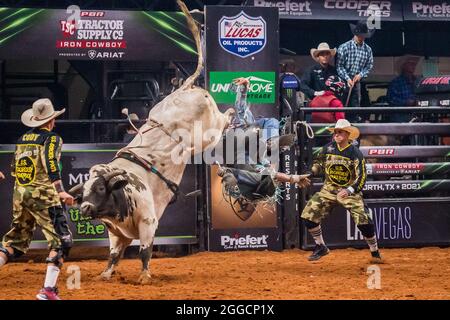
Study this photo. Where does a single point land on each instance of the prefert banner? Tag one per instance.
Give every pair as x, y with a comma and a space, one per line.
398, 223
242, 41
177, 225
28, 33
428, 10
237, 226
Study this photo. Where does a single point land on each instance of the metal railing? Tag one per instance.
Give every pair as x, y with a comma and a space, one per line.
72, 131
415, 129
419, 110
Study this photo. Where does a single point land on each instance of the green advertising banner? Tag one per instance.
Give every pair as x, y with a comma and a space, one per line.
262, 86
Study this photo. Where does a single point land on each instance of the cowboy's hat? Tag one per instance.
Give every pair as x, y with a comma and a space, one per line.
401, 61
343, 124
40, 113
362, 29
321, 48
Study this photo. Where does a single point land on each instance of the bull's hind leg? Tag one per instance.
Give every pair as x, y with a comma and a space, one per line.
117, 247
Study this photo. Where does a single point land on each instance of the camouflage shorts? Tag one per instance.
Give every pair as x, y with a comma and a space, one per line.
27, 214
322, 202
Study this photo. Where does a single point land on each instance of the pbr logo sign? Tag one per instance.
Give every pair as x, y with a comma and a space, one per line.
242, 35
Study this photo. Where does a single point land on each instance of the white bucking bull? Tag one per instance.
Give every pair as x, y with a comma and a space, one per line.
130, 193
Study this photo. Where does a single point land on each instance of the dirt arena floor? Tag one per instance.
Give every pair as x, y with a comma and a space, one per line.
407, 274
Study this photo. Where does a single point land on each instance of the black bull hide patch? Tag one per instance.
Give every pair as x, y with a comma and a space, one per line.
122, 204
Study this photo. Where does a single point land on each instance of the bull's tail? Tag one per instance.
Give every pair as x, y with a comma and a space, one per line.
196, 33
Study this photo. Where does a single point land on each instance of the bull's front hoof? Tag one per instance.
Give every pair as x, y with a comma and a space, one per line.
145, 277
106, 275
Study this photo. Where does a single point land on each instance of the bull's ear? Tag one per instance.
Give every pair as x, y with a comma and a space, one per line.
117, 183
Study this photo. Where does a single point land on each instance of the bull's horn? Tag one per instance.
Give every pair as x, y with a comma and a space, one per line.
116, 172
75, 190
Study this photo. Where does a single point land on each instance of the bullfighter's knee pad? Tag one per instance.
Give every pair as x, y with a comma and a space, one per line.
367, 230
5, 252
16, 253
62, 229
56, 259
310, 224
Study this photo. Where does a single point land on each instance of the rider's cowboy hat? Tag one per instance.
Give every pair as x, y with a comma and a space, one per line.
344, 125
362, 29
40, 113
321, 48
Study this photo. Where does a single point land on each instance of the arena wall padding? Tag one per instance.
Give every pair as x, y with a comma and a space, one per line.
398, 223
177, 225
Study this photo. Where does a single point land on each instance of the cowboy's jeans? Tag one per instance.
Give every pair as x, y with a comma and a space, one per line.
354, 102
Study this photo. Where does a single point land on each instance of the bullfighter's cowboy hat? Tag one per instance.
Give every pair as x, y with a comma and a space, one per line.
321, 48
362, 29
345, 125
40, 113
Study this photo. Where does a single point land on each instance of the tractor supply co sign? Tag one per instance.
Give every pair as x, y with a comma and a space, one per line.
96, 31
242, 35
335, 9
28, 33
395, 168
262, 86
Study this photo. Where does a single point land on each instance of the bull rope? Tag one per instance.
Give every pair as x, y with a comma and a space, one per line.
128, 154
133, 157
309, 130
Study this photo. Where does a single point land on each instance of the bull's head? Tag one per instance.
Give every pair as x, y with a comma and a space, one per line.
100, 195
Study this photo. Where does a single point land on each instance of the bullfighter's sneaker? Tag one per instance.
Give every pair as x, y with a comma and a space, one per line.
48, 294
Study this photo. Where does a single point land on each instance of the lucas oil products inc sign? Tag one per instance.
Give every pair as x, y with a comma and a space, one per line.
242, 35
